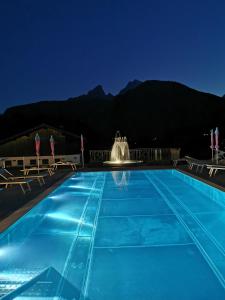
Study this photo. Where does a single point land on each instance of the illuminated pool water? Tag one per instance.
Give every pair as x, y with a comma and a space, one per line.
119, 235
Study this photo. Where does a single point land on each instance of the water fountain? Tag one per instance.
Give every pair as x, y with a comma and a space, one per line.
120, 150
120, 154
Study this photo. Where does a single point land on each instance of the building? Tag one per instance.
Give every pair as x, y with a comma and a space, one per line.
21, 146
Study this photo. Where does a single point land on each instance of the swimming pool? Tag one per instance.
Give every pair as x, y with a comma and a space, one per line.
119, 235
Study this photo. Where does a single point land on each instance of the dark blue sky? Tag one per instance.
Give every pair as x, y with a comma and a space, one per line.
55, 49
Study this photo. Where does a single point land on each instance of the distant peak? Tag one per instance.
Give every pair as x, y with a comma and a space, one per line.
98, 91
130, 85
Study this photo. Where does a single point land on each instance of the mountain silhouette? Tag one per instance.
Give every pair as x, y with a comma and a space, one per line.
95, 93
130, 86
152, 114
99, 93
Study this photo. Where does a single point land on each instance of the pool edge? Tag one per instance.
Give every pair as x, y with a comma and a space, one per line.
217, 186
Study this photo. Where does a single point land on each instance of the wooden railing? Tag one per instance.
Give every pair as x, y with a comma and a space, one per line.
144, 154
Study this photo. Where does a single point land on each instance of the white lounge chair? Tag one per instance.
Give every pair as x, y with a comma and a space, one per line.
7, 175
199, 164
64, 163
213, 169
24, 184
181, 160
39, 170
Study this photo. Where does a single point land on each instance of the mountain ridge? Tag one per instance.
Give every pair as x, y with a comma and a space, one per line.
174, 113
98, 92
130, 86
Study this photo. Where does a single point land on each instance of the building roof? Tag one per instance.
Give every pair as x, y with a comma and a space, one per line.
41, 126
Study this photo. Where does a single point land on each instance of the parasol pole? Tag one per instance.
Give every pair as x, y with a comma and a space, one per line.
38, 163
52, 145
212, 143
82, 149
217, 143
37, 148
24, 165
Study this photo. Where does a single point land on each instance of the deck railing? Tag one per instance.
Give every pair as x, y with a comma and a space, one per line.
144, 154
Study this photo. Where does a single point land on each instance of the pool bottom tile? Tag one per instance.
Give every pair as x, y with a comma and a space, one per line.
139, 231
157, 273
142, 206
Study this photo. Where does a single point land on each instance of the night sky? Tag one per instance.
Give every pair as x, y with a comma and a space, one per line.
59, 49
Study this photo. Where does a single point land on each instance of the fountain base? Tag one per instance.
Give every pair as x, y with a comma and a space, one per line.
122, 162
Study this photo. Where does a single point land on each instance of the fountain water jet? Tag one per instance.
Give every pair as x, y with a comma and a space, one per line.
120, 153
120, 150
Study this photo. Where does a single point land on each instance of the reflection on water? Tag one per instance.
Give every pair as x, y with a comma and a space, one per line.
49, 284
121, 178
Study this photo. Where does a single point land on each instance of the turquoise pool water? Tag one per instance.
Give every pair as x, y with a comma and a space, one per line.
119, 235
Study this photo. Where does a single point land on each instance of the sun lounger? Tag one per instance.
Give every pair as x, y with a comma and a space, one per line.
192, 162
24, 184
179, 160
64, 163
213, 169
196, 163
201, 164
5, 174
26, 171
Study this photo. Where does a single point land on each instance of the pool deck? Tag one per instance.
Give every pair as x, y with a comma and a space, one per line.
14, 204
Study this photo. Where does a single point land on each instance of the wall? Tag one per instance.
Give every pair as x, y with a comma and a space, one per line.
19, 161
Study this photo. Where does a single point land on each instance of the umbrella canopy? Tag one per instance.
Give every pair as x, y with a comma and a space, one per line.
37, 144
212, 139
212, 142
81, 143
52, 145
217, 139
